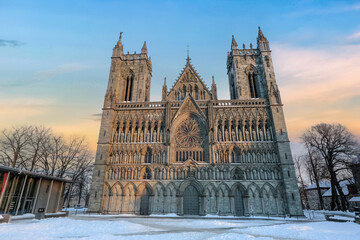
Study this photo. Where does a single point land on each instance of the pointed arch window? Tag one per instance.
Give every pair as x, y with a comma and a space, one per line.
148, 155
238, 174
252, 84
147, 173
129, 87
196, 92
183, 92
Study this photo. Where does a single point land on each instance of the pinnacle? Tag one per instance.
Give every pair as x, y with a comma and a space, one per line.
261, 35
233, 42
144, 48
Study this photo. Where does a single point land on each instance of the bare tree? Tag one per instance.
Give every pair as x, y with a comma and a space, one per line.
39, 136
300, 179
337, 146
39, 149
316, 167
52, 151
13, 143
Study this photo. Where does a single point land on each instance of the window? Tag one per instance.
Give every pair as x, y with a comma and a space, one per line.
128, 89
148, 155
147, 173
238, 174
196, 92
252, 84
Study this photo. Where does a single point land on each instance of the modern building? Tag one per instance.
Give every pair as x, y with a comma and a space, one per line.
191, 153
25, 192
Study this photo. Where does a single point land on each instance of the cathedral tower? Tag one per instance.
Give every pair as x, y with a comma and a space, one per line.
129, 81
130, 76
251, 76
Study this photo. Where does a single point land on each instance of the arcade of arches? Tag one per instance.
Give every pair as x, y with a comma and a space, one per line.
193, 197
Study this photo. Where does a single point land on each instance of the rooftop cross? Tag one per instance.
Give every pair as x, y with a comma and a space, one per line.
188, 58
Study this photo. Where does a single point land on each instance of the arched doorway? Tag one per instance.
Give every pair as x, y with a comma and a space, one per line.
191, 201
239, 204
145, 202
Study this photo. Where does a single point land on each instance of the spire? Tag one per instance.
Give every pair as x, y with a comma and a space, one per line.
261, 36
233, 43
262, 42
213, 89
118, 49
164, 91
144, 48
188, 56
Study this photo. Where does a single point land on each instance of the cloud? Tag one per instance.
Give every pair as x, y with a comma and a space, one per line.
10, 43
45, 75
95, 117
318, 85
355, 36
61, 69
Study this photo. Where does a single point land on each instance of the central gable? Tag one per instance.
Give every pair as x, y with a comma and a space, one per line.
189, 106
189, 83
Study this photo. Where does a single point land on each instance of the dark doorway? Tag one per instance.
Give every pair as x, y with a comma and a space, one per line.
239, 205
191, 201
145, 202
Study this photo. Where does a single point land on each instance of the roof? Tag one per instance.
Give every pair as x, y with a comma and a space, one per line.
355, 199
189, 67
18, 171
344, 186
322, 184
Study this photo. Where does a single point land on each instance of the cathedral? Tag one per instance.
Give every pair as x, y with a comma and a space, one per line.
192, 153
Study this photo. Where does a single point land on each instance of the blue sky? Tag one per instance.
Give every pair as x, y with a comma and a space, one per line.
55, 55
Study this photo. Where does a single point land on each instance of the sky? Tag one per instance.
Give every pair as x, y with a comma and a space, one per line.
55, 56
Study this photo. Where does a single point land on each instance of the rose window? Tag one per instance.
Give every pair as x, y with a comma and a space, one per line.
188, 134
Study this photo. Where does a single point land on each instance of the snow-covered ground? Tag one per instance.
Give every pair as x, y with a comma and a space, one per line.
90, 227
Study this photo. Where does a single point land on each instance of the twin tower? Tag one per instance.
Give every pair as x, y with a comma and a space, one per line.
250, 73
191, 153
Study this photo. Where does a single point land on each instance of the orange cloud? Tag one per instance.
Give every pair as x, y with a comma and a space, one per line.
319, 85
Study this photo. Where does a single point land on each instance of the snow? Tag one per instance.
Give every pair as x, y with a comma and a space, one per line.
355, 199
351, 219
313, 230
24, 216
344, 186
322, 184
134, 228
74, 209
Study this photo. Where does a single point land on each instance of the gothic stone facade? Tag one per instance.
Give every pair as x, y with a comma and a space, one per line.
192, 154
